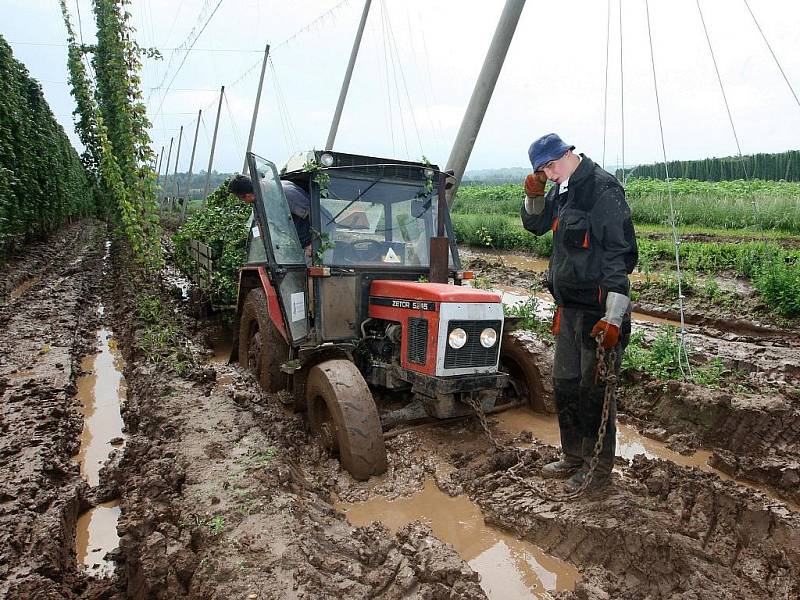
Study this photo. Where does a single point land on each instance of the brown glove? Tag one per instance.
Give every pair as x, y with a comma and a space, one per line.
534, 184
610, 333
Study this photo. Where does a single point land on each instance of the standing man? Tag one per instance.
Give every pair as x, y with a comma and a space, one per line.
594, 250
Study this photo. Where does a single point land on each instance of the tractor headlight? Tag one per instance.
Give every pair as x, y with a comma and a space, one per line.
326, 160
457, 338
429, 173
488, 337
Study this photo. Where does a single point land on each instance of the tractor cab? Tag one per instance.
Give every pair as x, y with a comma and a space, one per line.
354, 318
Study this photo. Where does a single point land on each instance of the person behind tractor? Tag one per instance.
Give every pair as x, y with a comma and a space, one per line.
297, 198
594, 250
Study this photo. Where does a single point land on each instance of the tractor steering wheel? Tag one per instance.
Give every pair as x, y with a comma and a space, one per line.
366, 250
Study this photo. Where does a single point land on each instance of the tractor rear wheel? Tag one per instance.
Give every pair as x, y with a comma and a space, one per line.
343, 415
523, 370
262, 349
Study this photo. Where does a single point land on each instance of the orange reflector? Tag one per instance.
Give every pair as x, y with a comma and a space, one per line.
319, 271
465, 275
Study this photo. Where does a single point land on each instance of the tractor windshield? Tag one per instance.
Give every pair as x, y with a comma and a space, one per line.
378, 221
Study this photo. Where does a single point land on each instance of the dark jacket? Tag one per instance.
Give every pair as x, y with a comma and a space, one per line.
594, 244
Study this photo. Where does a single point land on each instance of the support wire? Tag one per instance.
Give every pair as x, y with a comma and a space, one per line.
683, 356
777, 62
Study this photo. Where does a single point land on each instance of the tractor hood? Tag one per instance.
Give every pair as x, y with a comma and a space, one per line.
433, 292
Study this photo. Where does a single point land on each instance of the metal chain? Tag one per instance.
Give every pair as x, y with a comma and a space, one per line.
604, 372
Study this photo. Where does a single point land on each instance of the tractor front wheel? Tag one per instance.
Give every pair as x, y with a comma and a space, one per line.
343, 416
524, 374
262, 349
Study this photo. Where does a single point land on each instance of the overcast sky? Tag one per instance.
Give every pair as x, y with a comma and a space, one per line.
417, 67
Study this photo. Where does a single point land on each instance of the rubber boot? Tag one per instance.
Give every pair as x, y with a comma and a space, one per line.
567, 397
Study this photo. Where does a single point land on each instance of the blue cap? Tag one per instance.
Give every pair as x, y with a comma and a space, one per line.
546, 148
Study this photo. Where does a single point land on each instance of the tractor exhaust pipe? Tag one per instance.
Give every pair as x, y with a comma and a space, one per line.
440, 244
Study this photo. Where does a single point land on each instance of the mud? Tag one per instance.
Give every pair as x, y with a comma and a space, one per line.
509, 568
222, 493
47, 326
662, 531
748, 421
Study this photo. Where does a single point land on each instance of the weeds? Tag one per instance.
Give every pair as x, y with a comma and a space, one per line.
528, 319
778, 282
159, 339
217, 525
660, 359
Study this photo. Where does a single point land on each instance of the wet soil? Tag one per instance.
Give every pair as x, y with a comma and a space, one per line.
47, 326
220, 492
749, 421
224, 494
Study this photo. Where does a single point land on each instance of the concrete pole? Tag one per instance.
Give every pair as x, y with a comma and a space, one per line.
191, 164
255, 108
337, 115
166, 177
175, 186
482, 94
160, 160
213, 144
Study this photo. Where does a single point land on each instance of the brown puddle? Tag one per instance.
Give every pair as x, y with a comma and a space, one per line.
629, 443
222, 341
96, 536
100, 393
509, 568
526, 262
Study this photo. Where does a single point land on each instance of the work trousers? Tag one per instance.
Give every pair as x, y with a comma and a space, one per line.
579, 398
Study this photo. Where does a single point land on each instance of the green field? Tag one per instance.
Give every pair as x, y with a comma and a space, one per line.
755, 220
757, 205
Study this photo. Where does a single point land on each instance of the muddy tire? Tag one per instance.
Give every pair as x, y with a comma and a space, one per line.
262, 349
343, 416
524, 373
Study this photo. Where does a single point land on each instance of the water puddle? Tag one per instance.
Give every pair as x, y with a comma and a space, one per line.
176, 279
526, 262
22, 288
222, 342
96, 536
509, 568
101, 390
630, 442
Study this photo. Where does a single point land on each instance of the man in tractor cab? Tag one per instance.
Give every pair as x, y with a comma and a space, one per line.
594, 250
297, 198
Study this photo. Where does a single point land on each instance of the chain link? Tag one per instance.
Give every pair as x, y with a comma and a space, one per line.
605, 372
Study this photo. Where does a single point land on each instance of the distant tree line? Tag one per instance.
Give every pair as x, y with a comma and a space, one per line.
495, 176
42, 180
168, 187
773, 167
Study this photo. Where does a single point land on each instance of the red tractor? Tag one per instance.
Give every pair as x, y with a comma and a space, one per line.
363, 318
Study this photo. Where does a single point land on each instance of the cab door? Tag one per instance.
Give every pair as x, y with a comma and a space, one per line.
285, 257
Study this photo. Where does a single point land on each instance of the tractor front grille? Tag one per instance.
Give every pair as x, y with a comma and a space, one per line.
417, 340
473, 354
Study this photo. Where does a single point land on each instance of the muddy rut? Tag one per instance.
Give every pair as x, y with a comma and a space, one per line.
48, 321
